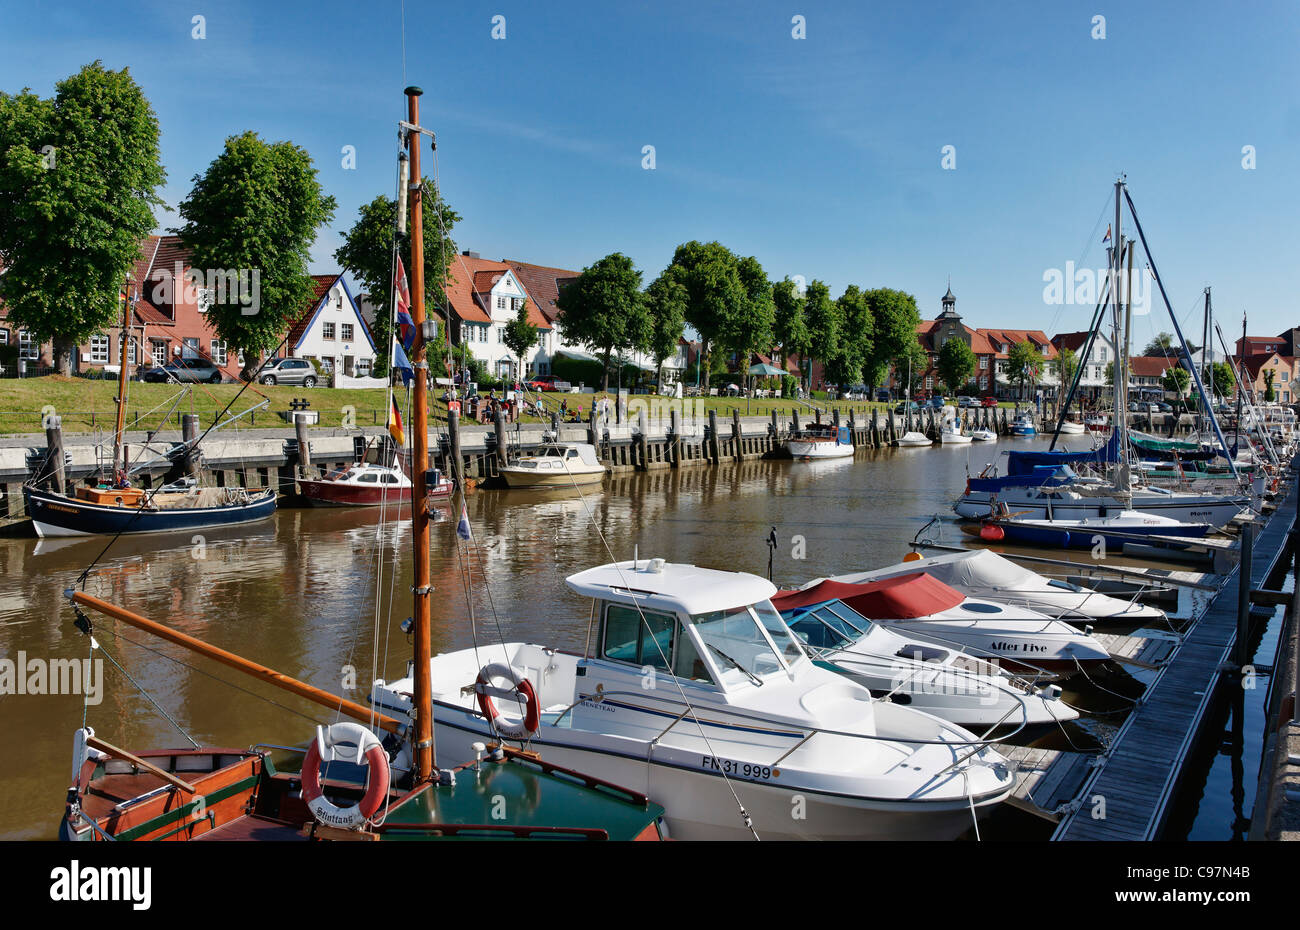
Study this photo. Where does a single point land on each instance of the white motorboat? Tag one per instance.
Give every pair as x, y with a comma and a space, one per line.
820, 441
921, 606
941, 681
984, 435
985, 574
913, 438
561, 464
951, 433
693, 687
1069, 426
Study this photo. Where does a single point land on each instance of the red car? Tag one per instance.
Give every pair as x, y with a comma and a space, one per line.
989, 402
542, 383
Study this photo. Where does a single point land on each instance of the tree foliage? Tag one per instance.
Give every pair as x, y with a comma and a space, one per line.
1269, 394
256, 209
894, 321
1161, 344
729, 300
1067, 365
605, 310
520, 336
789, 328
1218, 377
78, 181
956, 364
1024, 362
857, 337
367, 255
825, 326
666, 305
1175, 379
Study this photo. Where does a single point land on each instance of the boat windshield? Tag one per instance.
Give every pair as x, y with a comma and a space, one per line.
832, 625
739, 646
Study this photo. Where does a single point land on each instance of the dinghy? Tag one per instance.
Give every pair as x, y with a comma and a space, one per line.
913, 438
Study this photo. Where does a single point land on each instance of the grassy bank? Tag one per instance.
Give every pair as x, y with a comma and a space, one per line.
89, 406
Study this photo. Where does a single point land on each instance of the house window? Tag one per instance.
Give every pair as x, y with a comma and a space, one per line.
363, 368
130, 350
99, 349
159, 348
4, 337
500, 333
501, 303
189, 348
218, 352
346, 331
516, 303
327, 331
929, 383
27, 346
984, 361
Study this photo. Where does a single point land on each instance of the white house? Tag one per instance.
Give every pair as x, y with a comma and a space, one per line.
1093, 381
485, 296
332, 331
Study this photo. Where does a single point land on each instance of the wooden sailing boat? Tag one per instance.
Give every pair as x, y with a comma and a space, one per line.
340, 786
111, 506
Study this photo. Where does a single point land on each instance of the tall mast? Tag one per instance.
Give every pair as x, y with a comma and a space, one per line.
1121, 345
422, 746
119, 458
1241, 377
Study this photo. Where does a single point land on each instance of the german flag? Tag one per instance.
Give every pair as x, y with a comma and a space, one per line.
395, 422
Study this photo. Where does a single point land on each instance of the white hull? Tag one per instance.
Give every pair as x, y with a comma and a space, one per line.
954, 438
913, 439
1216, 511
806, 449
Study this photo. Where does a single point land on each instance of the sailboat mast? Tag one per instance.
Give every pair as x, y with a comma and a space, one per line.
422, 744
119, 458
1121, 345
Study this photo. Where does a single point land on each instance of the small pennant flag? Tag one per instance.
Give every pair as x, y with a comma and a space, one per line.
395, 423
402, 364
462, 528
1106, 238
405, 324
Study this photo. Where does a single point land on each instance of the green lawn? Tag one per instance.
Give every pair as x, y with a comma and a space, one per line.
87, 405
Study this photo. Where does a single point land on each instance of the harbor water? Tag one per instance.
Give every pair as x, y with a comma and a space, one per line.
319, 594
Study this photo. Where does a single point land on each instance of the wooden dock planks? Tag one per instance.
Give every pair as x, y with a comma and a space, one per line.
1046, 779
1141, 769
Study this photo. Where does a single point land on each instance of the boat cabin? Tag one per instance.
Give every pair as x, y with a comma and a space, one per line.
555, 456
367, 475
699, 625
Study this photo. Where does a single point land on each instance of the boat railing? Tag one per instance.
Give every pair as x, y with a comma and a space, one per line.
803, 731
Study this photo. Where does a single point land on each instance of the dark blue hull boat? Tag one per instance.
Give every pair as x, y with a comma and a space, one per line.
57, 515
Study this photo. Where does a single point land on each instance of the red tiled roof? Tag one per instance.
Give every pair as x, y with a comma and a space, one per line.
543, 284
470, 300
1071, 341
1150, 366
321, 284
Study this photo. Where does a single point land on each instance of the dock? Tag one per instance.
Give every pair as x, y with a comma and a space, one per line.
1048, 780
1128, 794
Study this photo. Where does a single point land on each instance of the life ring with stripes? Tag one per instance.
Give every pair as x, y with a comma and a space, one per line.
345, 742
520, 687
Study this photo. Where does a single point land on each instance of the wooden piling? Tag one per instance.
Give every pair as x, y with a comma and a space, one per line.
54, 454
713, 437
499, 428
737, 447
304, 446
453, 441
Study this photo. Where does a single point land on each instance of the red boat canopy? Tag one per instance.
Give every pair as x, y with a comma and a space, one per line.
904, 597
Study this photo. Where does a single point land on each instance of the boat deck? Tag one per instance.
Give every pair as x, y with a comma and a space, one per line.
253, 827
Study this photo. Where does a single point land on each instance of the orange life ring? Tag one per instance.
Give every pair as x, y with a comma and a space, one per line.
532, 719
368, 749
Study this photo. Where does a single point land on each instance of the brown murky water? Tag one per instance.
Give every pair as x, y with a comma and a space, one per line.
298, 593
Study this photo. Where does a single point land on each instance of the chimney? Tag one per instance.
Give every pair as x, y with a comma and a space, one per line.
468, 254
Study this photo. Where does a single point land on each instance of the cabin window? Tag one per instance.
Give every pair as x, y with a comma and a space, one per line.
369, 478
390, 479
736, 644
629, 638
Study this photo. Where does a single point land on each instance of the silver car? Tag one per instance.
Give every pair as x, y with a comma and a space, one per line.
295, 371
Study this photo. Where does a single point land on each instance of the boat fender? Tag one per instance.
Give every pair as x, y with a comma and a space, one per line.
532, 720
335, 743
992, 532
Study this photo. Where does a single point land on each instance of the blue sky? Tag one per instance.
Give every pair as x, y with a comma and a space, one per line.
820, 156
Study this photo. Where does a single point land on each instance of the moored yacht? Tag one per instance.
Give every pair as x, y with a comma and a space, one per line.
694, 689
559, 464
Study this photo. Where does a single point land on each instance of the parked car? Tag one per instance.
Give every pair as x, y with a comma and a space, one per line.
542, 383
936, 402
295, 371
989, 401
903, 406
967, 402
883, 395
189, 369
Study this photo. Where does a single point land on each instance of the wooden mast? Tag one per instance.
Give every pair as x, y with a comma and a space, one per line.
119, 458
422, 704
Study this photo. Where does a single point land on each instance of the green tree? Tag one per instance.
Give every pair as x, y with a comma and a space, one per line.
1067, 365
1162, 344
78, 181
894, 321
367, 254
1024, 362
256, 210
857, 336
1218, 377
1175, 379
911, 359
520, 336
789, 328
956, 364
714, 291
825, 322
666, 304
605, 310
748, 328
1269, 394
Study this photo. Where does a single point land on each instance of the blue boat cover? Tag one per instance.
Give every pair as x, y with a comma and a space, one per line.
1039, 475
1025, 463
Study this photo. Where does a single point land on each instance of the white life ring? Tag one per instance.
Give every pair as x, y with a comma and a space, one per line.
531, 722
359, 745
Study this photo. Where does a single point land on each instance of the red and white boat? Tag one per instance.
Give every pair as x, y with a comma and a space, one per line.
364, 485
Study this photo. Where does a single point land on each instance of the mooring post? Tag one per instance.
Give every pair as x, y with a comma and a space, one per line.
736, 445
54, 453
304, 447
453, 442
713, 436
555, 425
817, 415
639, 448
500, 430
1243, 595
190, 435
674, 440
794, 421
